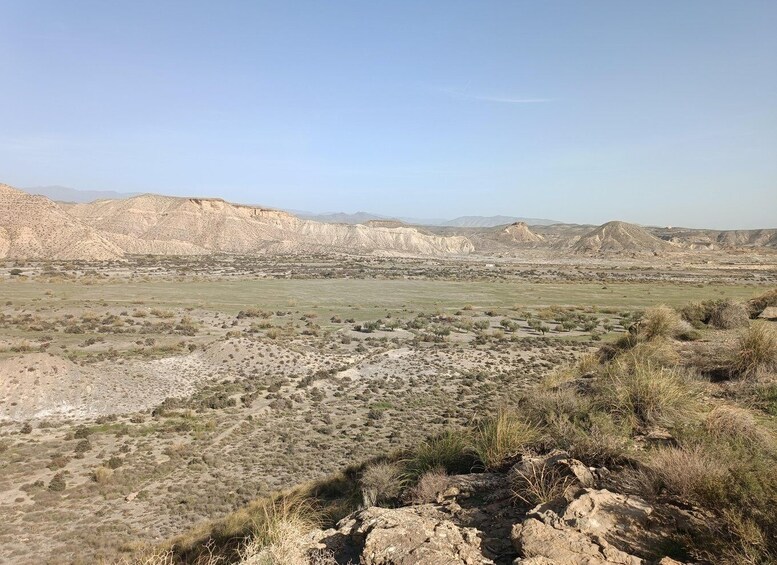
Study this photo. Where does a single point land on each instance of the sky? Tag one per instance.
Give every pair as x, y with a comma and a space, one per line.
660, 113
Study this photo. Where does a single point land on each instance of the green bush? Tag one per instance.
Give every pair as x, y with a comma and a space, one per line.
448, 451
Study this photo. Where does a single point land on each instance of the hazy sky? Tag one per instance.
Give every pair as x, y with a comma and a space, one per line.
659, 112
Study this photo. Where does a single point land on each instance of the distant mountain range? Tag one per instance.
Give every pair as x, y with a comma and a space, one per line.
65, 194
460, 222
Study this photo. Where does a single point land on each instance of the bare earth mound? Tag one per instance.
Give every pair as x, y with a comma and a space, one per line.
619, 237
519, 232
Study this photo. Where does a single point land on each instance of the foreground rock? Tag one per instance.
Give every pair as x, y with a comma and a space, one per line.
419, 535
477, 519
579, 533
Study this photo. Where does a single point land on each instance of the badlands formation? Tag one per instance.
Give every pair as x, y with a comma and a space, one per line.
35, 227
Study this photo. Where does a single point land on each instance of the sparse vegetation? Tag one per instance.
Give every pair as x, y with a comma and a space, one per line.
289, 379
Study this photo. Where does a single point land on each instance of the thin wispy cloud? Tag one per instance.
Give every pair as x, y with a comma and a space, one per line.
464, 94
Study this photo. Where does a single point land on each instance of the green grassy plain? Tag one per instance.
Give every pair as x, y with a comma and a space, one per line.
369, 296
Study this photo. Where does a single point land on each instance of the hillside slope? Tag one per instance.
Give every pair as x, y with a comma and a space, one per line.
619, 237
219, 226
519, 232
34, 227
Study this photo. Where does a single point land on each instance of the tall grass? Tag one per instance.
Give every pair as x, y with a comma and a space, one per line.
503, 437
277, 533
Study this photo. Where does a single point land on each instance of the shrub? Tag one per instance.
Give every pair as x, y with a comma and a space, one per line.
381, 483
503, 437
428, 487
757, 351
727, 315
58, 483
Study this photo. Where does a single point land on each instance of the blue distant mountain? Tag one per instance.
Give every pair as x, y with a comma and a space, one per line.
65, 194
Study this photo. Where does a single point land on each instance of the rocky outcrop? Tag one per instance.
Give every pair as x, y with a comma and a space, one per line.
477, 519
579, 533
420, 535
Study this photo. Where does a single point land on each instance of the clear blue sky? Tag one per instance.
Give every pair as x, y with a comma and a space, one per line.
660, 112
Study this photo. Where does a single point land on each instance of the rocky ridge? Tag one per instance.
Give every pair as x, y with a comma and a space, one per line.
475, 519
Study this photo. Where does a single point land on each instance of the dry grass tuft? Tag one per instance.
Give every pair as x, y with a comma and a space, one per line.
448, 451
102, 475
659, 352
539, 483
277, 534
381, 483
756, 354
727, 315
643, 393
691, 473
660, 321
738, 425
429, 485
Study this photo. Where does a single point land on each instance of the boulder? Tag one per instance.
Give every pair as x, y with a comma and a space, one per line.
414, 535
587, 531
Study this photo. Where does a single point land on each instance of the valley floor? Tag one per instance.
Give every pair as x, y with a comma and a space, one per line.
138, 399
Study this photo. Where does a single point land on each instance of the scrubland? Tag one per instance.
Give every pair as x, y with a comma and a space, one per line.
177, 417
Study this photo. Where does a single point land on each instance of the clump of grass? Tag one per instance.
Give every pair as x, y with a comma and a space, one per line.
643, 393
756, 354
102, 474
381, 483
692, 473
539, 483
448, 451
503, 437
546, 405
595, 438
738, 486
277, 532
722, 314
659, 352
737, 425
660, 321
